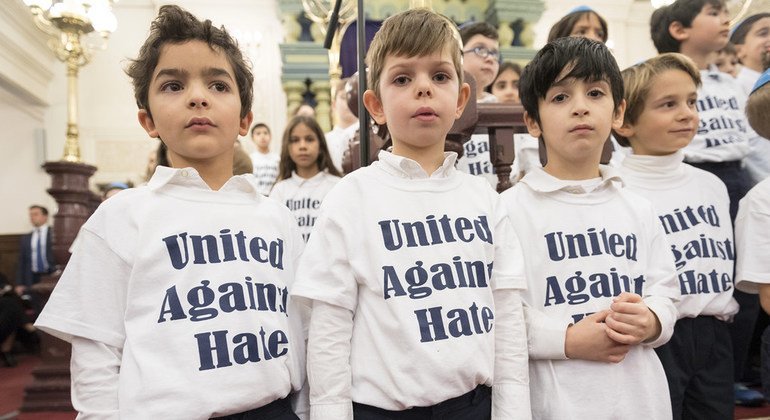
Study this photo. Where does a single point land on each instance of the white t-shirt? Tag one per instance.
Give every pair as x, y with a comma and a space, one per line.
265, 170
747, 78
694, 209
410, 256
724, 132
475, 160
752, 238
303, 197
585, 245
337, 141
758, 160
191, 287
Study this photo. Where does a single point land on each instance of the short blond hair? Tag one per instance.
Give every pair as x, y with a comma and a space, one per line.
638, 79
413, 33
757, 110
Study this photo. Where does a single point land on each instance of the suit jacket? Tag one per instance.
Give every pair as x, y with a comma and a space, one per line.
24, 275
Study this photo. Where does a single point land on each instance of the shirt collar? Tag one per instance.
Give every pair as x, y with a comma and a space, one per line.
189, 177
541, 181
404, 167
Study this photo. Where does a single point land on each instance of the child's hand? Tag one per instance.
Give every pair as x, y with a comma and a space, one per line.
630, 321
589, 340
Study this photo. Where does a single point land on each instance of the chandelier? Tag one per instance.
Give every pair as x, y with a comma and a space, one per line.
69, 23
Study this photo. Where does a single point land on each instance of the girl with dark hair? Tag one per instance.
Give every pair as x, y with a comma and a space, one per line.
580, 21
505, 87
306, 172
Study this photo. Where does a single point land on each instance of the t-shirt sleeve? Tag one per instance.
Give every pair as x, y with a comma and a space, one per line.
508, 269
324, 271
752, 245
661, 290
89, 300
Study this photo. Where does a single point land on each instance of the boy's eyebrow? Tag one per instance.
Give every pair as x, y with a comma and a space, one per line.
410, 65
180, 73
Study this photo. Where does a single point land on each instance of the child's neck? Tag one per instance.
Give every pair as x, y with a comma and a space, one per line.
699, 57
215, 175
429, 158
263, 150
573, 172
307, 172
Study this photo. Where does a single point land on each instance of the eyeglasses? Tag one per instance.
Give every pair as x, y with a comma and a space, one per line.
484, 52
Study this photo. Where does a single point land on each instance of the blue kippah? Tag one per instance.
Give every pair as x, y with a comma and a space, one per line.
114, 185
763, 80
582, 8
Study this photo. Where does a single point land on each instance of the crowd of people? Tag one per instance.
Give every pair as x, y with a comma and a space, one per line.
272, 286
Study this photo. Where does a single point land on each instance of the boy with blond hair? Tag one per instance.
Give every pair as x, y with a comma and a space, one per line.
693, 207
175, 299
724, 140
410, 318
601, 278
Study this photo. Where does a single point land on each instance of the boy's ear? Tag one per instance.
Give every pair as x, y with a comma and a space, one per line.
147, 123
678, 31
246, 123
532, 126
619, 115
462, 99
374, 106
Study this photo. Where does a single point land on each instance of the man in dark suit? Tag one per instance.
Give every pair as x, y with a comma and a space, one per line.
36, 258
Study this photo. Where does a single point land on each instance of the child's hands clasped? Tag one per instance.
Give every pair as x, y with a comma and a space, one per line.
589, 339
630, 321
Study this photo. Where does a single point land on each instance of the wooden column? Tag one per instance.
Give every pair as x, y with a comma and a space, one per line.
50, 388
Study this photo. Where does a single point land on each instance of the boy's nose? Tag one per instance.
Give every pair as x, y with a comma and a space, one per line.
198, 101
423, 87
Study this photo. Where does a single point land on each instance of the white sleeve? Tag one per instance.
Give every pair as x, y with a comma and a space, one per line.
661, 290
546, 336
752, 241
510, 390
329, 372
95, 370
90, 297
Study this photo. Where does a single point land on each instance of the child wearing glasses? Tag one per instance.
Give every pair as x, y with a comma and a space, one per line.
481, 58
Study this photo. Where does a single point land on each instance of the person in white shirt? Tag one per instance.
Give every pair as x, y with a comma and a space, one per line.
264, 162
345, 124
751, 37
176, 298
724, 144
306, 172
693, 207
481, 59
413, 273
753, 223
602, 283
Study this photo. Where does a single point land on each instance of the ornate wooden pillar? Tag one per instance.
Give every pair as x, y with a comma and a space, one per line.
50, 387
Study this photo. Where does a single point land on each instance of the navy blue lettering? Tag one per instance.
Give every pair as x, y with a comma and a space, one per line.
171, 305
206, 350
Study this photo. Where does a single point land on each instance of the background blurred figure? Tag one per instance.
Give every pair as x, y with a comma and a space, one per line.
505, 87
264, 162
345, 125
727, 61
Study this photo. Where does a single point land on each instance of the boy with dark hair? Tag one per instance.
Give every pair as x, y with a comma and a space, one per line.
698, 29
411, 319
693, 207
602, 282
264, 163
175, 298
